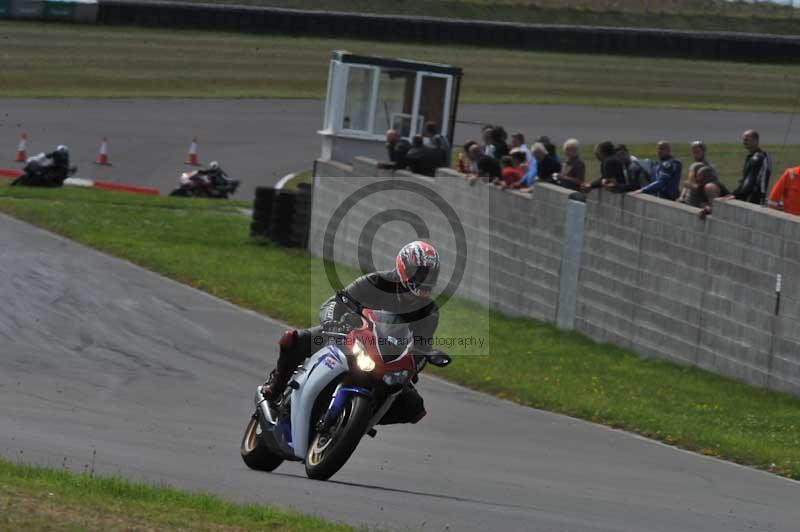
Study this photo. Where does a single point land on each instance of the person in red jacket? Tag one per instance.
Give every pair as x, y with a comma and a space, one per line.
785, 195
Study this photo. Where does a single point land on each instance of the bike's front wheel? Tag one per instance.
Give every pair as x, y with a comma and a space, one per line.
255, 453
329, 450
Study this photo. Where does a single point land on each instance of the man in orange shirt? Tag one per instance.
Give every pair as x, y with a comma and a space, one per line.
785, 196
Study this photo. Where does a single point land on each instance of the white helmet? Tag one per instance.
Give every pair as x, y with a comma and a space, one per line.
62, 149
214, 165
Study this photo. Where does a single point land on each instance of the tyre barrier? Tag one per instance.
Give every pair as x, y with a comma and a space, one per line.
559, 38
282, 215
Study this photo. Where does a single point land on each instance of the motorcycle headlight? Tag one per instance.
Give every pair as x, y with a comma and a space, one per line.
364, 362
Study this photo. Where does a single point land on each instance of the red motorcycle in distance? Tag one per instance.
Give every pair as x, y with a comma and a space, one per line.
210, 183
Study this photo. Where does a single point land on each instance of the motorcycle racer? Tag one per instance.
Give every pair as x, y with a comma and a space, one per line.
404, 291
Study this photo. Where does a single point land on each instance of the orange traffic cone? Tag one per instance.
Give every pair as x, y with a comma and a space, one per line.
22, 149
102, 157
192, 157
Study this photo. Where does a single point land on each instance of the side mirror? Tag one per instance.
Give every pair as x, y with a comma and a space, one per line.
439, 359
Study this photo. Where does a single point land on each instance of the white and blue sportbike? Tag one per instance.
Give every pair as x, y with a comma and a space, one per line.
337, 396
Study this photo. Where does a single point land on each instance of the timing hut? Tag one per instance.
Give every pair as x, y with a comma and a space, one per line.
368, 95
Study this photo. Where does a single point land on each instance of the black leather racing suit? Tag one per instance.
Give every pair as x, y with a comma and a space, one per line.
378, 291
58, 171
754, 185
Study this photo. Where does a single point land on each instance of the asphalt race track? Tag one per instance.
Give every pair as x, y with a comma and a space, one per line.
99, 356
259, 141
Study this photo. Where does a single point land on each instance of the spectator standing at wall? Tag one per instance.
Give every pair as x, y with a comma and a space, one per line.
465, 164
756, 172
498, 140
666, 175
547, 166
688, 195
423, 159
702, 188
573, 171
486, 168
433, 139
487, 132
612, 173
636, 171
511, 174
518, 142
550, 147
397, 148
698, 148
785, 196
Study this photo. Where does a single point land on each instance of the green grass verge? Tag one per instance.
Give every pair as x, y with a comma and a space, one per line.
92, 61
36, 498
303, 177
717, 15
530, 362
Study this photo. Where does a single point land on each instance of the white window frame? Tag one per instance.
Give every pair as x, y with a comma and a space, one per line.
443, 127
336, 102
372, 101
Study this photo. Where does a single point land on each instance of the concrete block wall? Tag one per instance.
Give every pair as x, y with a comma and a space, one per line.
635, 271
514, 241
658, 280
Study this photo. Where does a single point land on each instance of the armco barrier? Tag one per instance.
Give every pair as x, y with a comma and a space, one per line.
649, 42
635, 271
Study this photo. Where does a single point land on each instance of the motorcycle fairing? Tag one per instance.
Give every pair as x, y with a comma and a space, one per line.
321, 368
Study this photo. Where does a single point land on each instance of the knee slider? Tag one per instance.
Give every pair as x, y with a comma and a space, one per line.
288, 338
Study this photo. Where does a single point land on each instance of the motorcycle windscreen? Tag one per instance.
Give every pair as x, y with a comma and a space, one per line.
393, 333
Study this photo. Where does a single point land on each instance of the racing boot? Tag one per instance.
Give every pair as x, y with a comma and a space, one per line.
279, 377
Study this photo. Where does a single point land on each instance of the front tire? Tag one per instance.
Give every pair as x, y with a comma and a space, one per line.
255, 454
328, 452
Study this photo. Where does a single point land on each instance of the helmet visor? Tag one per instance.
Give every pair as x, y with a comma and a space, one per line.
423, 276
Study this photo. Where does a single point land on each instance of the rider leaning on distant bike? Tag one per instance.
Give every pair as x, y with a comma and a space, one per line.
404, 291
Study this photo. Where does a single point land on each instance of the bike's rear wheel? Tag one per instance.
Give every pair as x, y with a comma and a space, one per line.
255, 454
330, 450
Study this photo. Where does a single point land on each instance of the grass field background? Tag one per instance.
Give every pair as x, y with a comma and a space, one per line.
89, 61
34, 498
529, 362
719, 15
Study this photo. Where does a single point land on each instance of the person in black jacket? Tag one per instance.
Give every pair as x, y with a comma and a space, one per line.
612, 171
433, 139
754, 185
397, 147
423, 159
548, 168
404, 291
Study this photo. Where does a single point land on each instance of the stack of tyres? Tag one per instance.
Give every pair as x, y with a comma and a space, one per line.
302, 216
282, 215
261, 226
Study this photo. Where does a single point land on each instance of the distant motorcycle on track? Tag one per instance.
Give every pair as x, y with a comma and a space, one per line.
40, 171
337, 396
210, 183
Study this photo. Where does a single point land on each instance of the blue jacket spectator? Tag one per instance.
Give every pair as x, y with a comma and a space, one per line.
530, 176
666, 175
